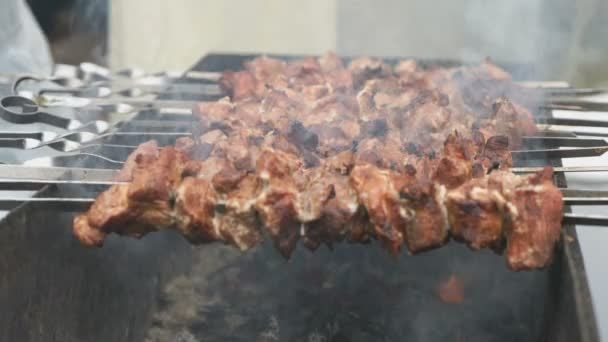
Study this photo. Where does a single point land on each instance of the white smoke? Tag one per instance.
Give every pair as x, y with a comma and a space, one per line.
532, 32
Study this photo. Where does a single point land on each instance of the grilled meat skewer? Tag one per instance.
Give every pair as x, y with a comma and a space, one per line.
315, 151
342, 199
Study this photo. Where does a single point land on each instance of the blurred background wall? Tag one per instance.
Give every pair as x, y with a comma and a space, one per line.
173, 35
564, 39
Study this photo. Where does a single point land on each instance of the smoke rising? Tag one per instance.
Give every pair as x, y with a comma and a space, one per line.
536, 32
532, 32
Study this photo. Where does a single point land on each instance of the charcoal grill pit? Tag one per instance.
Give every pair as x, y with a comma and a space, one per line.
162, 288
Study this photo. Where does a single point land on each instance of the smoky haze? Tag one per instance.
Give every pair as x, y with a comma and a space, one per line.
542, 33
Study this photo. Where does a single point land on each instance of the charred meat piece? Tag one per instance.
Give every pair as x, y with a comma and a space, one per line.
236, 219
424, 210
156, 181
525, 209
365, 68
277, 202
336, 215
111, 209
145, 152
266, 68
512, 120
454, 167
496, 151
381, 95
139, 207
475, 213
377, 193
239, 85
534, 221
195, 203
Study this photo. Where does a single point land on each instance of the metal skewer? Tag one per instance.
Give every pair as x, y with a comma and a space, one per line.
74, 141
575, 130
569, 218
81, 102
561, 169
65, 175
573, 122
555, 153
564, 141
82, 204
106, 89
50, 203
45, 175
21, 172
577, 105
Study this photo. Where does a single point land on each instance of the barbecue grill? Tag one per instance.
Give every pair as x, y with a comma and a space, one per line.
162, 289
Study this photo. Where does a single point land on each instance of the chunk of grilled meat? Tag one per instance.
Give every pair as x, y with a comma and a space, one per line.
476, 213
526, 210
534, 218
137, 208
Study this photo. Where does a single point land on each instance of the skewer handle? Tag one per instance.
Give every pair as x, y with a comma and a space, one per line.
570, 218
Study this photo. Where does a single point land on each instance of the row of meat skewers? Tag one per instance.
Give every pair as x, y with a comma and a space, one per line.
319, 152
212, 201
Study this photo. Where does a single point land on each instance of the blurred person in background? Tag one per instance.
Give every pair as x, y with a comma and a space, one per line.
24, 46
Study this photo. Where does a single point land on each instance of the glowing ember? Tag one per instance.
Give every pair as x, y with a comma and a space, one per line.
451, 291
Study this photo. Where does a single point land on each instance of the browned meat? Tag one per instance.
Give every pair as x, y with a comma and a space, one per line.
266, 68
240, 84
476, 214
337, 213
426, 215
139, 207
217, 111
365, 68
311, 150
277, 203
154, 181
525, 209
340, 199
237, 221
145, 151
195, 203
407, 69
455, 167
496, 151
111, 208
377, 193
512, 120
383, 153
535, 221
